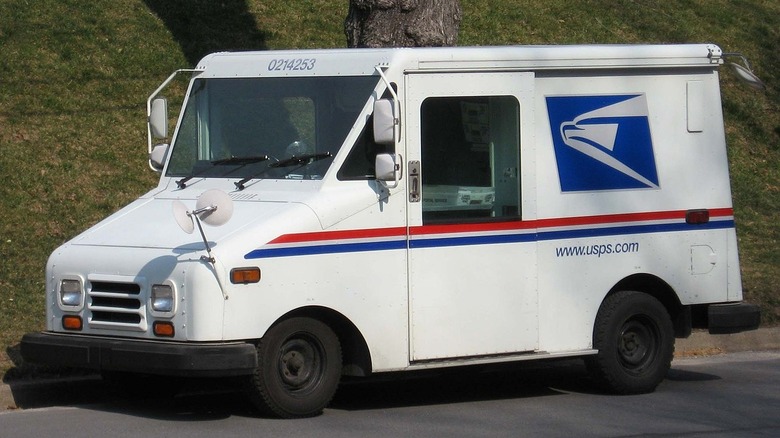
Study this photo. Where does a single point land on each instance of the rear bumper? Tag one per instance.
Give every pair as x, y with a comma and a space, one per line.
141, 356
732, 318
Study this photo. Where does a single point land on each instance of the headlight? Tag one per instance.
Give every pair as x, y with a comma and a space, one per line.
70, 293
162, 298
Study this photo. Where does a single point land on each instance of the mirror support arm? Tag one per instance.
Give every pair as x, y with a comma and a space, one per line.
151, 98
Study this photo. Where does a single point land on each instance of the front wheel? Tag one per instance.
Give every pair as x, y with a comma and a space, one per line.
635, 341
298, 369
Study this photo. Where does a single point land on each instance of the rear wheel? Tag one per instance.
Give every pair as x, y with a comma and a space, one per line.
299, 367
635, 339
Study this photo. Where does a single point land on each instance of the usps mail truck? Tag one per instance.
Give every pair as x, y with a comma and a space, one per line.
334, 213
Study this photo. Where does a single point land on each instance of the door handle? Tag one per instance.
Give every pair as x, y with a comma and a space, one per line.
414, 181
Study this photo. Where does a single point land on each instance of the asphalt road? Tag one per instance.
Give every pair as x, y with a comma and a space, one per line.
727, 395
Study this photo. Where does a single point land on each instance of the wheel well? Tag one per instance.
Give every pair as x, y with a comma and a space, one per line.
356, 359
660, 290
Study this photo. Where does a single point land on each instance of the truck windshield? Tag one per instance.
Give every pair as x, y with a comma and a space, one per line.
266, 127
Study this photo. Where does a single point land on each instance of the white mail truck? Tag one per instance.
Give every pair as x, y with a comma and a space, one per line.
334, 213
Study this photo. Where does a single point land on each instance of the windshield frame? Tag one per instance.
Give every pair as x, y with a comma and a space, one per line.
337, 105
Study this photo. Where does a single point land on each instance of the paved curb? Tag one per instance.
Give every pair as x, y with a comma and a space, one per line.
46, 392
703, 344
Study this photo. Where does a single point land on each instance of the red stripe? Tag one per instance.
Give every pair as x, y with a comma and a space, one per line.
466, 228
611, 219
720, 212
341, 235
562, 222
492, 226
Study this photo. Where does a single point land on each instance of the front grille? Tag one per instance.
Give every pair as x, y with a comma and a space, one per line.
116, 305
123, 318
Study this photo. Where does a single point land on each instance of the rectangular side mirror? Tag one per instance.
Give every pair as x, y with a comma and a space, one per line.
384, 122
388, 168
158, 118
157, 157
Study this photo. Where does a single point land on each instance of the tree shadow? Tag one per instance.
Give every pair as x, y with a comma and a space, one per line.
205, 26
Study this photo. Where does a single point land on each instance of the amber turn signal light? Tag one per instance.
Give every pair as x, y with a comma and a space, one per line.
245, 275
72, 322
163, 329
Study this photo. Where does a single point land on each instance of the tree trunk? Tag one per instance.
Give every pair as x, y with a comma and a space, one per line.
402, 23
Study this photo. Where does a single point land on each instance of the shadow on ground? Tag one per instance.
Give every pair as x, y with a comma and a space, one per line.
212, 399
203, 399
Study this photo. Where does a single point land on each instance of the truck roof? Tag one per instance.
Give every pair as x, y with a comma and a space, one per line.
336, 62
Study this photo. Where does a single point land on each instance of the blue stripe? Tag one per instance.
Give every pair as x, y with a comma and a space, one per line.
433, 242
472, 240
566, 234
633, 229
334, 248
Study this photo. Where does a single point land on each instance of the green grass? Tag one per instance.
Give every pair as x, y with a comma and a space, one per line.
74, 76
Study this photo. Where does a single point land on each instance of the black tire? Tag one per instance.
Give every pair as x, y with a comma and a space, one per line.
635, 339
298, 369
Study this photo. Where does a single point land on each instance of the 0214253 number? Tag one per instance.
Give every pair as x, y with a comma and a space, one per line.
294, 64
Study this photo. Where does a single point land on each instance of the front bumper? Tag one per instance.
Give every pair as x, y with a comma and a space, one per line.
732, 318
140, 356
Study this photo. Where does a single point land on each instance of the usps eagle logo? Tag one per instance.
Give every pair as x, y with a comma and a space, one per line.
602, 142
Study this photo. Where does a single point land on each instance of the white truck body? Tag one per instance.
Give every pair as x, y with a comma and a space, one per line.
531, 183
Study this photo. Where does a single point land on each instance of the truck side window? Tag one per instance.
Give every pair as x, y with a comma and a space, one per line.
470, 159
360, 162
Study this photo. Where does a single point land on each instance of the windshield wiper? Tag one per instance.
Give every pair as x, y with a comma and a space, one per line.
300, 160
240, 161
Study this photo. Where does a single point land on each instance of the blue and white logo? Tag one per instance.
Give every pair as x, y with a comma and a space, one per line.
602, 142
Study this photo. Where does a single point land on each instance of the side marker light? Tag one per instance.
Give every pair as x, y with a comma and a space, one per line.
697, 217
245, 275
